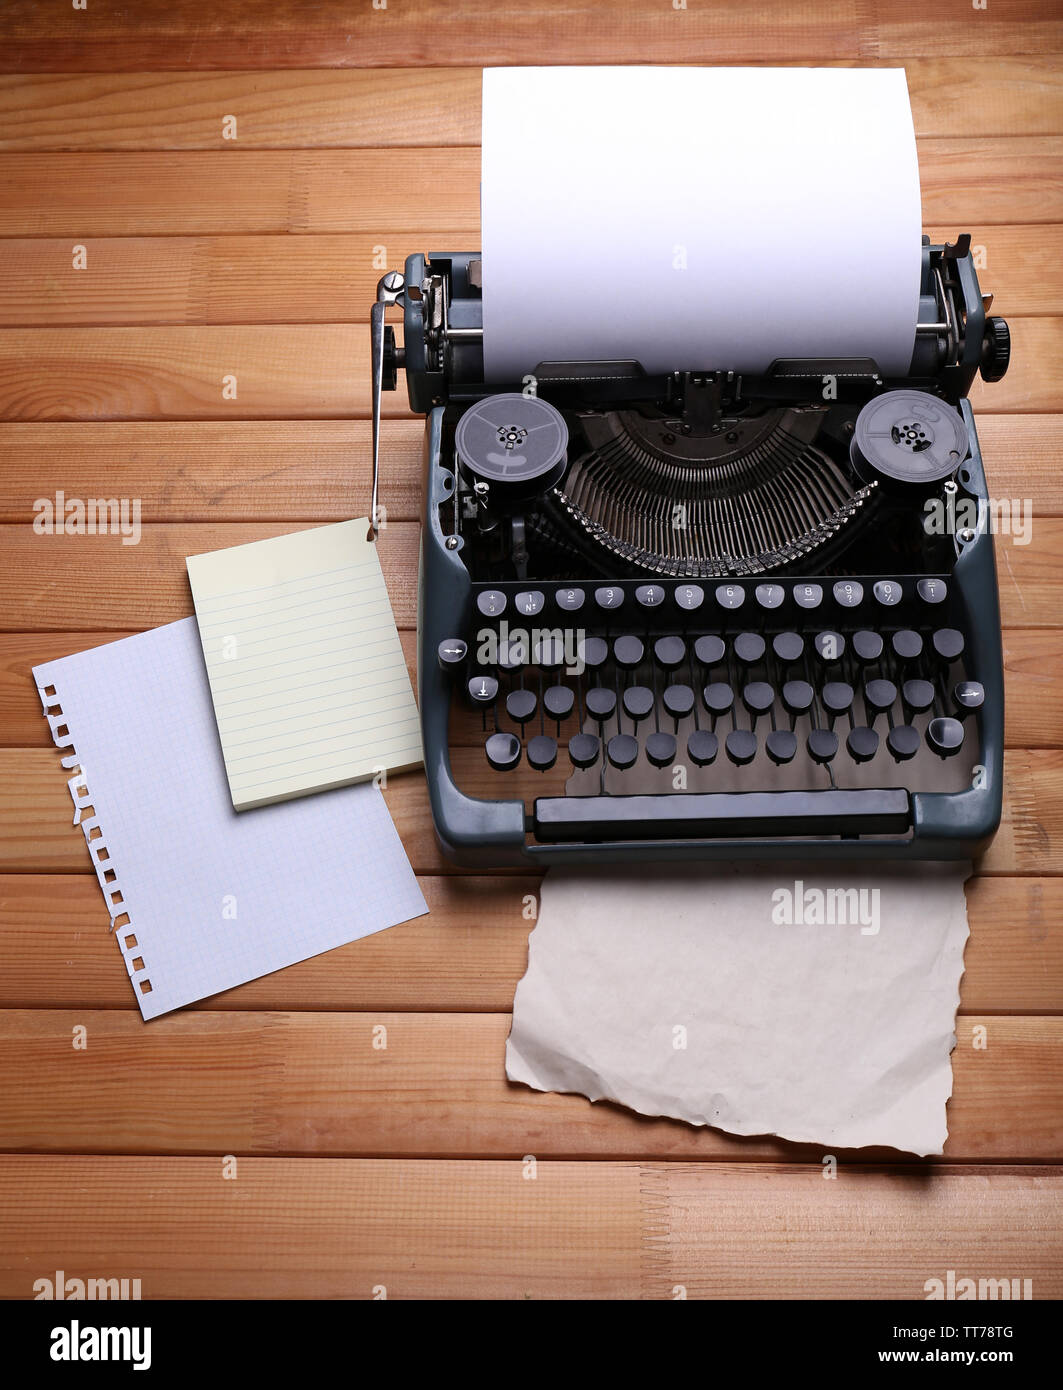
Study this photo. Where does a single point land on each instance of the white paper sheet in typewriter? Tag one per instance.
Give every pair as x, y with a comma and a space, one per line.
201, 897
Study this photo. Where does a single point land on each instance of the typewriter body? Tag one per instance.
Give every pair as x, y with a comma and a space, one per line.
688, 616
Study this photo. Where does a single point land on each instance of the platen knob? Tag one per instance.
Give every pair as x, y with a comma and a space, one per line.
996, 349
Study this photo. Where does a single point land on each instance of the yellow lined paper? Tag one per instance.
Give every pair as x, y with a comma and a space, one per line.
306, 670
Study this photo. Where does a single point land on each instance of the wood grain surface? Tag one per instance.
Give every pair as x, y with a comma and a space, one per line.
356, 143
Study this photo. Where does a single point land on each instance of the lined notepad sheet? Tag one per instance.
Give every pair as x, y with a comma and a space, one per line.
202, 898
306, 669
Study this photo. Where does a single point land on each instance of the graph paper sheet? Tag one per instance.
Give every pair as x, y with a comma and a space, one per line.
203, 898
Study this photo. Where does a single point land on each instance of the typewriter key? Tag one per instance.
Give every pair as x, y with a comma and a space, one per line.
867, 647
908, 439
483, 690
741, 745
638, 701
945, 736
601, 703
932, 590
822, 745
903, 742
969, 696
669, 652
788, 647
781, 746
830, 647
862, 744
837, 697
622, 751
583, 750
503, 751
593, 651
718, 697
690, 597
749, 648
514, 443
948, 643
918, 697
702, 747
451, 652
660, 749
520, 705
570, 600
908, 644
848, 593
678, 701
542, 752
758, 697
769, 595
629, 651
797, 696
558, 702
710, 651
879, 697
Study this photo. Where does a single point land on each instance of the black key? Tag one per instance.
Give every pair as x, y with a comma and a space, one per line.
758, 697
601, 703
690, 597
837, 697
451, 652
848, 593
879, 696
788, 647
583, 750
907, 644
862, 744
549, 653
649, 595
781, 746
702, 747
638, 701
520, 705
968, 696
660, 749
629, 651
945, 736
570, 600
749, 648
769, 595
903, 742
808, 595
730, 596
867, 646
512, 654
491, 602
948, 643
932, 590
622, 751
822, 745
830, 647
483, 690
669, 652
741, 746
918, 696
678, 701
718, 697
888, 592
530, 603
503, 751
542, 752
558, 701
608, 597
710, 651
593, 651
797, 696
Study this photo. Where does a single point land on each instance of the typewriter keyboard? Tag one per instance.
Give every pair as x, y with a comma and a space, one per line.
637, 689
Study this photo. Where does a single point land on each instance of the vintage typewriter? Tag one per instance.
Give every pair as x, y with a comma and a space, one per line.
681, 616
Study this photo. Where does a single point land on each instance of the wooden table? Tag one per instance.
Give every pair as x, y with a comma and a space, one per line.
359, 1170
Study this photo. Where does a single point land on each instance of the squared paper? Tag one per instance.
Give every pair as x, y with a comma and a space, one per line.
672, 991
213, 898
306, 668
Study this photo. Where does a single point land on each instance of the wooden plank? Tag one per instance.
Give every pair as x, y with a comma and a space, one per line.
310, 371
274, 470
345, 1228
1033, 670
36, 835
966, 182
465, 956
306, 279
345, 108
178, 34
95, 582
320, 1084
320, 470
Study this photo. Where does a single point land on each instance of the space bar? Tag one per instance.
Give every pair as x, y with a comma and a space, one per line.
714, 814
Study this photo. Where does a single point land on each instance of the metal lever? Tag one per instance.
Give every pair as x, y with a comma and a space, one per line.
388, 291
